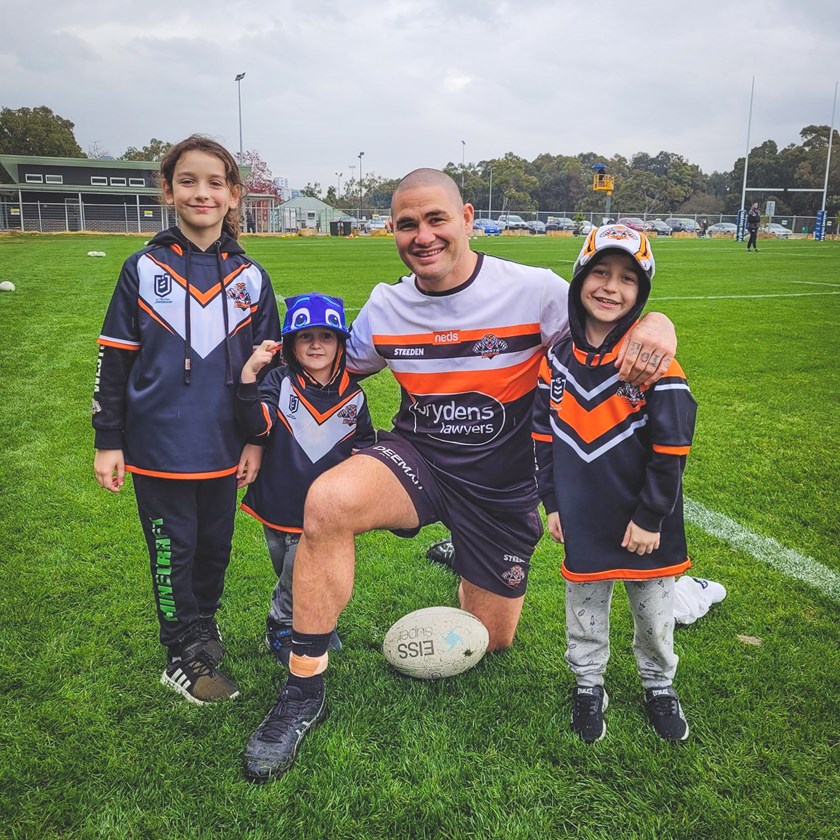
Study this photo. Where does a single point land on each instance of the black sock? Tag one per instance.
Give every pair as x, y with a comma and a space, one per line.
310, 644
308, 686
313, 645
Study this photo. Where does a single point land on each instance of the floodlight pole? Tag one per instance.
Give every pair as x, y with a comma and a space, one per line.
463, 152
490, 201
339, 174
238, 81
361, 155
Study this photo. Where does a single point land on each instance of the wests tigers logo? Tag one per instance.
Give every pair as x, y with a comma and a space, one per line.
348, 414
240, 296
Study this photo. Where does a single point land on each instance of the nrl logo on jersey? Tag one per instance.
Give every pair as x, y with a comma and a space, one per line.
163, 285
632, 393
348, 414
558, 388
240, 296
490, 346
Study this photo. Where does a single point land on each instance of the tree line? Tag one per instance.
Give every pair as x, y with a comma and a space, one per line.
664, 183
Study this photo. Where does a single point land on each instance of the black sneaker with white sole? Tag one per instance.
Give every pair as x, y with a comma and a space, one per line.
442, 552
194, 675
271, 750
666, 714
588, 705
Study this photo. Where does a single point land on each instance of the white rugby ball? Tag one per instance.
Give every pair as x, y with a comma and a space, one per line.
435, 642
7, 286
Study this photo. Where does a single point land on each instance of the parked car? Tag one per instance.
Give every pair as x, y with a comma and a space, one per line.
585, 226
632, 222
536, 226
777, 230
722, 227
489, 227
376, 224
659, 227
560, 223
683, 225
510, 222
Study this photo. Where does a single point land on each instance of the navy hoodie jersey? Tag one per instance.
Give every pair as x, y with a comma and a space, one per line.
309, 429
180, 326
609, 452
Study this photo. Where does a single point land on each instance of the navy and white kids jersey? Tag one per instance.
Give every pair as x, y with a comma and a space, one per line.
310, 428
467, 385
609, 452
180, 326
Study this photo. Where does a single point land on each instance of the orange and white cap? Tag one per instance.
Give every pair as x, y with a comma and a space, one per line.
616, 238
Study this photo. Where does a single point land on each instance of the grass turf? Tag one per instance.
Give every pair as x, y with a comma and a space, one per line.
91, 745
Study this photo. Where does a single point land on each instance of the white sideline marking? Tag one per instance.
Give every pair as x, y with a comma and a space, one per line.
782, 559
745, 297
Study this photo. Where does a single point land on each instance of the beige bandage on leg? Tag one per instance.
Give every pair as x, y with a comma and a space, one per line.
308, 666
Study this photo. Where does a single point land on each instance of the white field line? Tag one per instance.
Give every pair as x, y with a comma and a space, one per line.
745, 297
766, 549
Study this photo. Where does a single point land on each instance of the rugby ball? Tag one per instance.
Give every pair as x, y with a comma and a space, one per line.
435, 642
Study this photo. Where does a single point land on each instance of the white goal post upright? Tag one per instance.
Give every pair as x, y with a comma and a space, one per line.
820, 227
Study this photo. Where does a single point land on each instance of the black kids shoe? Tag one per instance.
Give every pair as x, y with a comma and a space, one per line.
210, 638
588, 705
666, 714
194, 675
442, 552
272, 748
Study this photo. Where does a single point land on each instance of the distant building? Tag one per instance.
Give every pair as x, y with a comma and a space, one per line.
67, 194
304, 211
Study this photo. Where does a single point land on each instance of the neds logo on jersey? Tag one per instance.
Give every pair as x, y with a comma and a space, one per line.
470, 419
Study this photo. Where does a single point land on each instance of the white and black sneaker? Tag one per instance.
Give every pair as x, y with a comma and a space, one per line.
588, 705
271, 750
194, 675
666, 714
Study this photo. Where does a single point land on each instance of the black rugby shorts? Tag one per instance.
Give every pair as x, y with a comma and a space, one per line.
493, 547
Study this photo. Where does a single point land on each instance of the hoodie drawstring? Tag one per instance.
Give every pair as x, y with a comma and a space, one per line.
187, 330
225, 316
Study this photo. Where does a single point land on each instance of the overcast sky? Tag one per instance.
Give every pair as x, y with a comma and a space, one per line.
406, 81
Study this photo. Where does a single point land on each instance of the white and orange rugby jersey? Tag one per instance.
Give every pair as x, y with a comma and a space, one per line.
467, 362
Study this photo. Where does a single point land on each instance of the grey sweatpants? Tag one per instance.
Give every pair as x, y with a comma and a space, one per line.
282, 547
588, 629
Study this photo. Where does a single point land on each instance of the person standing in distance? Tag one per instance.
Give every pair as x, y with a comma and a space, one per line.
463, 334
753, 221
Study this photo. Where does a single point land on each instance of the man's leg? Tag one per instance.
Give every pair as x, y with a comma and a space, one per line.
359, 495
498, 614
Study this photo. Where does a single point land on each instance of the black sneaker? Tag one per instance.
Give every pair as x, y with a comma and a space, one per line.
442, 552
278, 639
207, 631
272, 748
588, 705
194, 675
666, 714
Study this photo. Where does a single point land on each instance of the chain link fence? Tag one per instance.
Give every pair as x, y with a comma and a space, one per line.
267, 216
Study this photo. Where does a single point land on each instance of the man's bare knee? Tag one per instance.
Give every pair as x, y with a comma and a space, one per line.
325, 510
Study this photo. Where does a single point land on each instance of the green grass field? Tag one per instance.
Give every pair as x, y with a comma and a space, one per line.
91, 745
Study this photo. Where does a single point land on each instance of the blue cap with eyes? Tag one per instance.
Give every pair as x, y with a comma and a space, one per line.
314, 310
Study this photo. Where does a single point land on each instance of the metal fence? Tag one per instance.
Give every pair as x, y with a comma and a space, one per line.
267, 217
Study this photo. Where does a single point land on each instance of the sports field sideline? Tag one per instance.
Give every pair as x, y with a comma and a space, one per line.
91, 745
